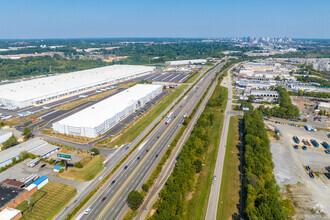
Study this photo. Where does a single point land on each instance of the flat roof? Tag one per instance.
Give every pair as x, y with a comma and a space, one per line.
44, 150
9, 213
13, 182
40, 180
8, 193
39, 87
3, 132
95, 115
25, 146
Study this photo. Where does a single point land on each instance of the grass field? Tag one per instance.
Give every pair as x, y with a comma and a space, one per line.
47, 202
197, 205
130, 133
230, 185
91, 167
69, 137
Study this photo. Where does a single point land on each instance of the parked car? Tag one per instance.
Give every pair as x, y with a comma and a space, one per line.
43, 165
328, 168
311, 175
304, 147
327, 151
308, 168
296, 147
327, 175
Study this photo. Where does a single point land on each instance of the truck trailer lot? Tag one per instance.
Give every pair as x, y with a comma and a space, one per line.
310, 195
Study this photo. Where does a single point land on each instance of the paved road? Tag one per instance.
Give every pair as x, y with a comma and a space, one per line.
142, 163
212, 208
114, 157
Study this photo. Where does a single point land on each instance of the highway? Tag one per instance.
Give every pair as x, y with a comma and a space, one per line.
212, 208
111, 200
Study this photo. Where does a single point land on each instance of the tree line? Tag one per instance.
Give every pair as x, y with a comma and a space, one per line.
172, 198
262, 197
285, 110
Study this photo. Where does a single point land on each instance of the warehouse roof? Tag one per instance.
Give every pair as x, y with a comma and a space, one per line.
14, 183
106, 109
44, 150
35, 88
3, 132
27, 146
8, 193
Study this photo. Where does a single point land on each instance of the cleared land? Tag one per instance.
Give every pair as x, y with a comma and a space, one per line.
91, 167
131, 132
69, 137
197, 205
229, 198
48, 201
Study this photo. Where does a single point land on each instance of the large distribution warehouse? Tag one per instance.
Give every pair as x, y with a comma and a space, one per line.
29, 92
94, 120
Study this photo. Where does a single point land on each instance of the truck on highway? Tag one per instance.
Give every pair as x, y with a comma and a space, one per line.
296, 139
167, 121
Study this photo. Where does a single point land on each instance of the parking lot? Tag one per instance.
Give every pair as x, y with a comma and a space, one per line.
311, 196
172, 77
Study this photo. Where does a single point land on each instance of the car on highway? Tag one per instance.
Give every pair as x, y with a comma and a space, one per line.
138, 158
214, 178
308, 168
113, 182
87, 211
103, 199
156, 155
125, 167
157, 137
304, 148
147, 151
311, 175
296, 147
126, 148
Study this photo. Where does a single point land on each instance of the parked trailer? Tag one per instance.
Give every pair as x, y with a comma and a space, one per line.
314, 142
296, 139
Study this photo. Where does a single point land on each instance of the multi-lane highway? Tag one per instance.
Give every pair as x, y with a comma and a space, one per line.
111, 202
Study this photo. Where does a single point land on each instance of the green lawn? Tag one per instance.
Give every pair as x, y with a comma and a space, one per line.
91, 167
197, 206
132, 132
230, 184
47, 201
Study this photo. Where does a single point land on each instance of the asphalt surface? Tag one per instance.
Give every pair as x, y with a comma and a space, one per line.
144, 159
212, 208
171, 77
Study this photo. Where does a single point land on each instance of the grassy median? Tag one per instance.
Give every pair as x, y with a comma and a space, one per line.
47, 201
131, 132
198, 200
229, 199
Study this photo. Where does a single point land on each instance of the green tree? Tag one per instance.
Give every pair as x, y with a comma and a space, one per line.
134, 199
251, 98
277, 78
95, 151
300, 92
198, 165
12, 141
27, 133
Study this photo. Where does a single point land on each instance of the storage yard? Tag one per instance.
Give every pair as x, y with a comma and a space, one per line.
105, 114
29, 92
310, 193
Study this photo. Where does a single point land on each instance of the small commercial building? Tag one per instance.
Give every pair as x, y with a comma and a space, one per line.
96, 119
15, 183
264, 93
35, 146
186, 62
43, 180
5, 135
10, 214
57, 168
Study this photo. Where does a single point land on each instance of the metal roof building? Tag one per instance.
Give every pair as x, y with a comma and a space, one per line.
185, 62
94, 120
29, 92
34, 145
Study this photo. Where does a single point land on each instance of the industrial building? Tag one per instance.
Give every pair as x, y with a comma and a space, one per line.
11, 196
26, 93
264, 93
5, 135
94, 120
35, 146
185, 62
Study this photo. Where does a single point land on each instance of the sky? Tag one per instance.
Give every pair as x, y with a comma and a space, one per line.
38, 19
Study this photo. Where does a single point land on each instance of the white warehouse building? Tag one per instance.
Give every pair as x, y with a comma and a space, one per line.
29, 92
96, 119
185, 62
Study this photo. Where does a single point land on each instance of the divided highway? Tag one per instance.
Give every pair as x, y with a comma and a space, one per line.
111, 200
